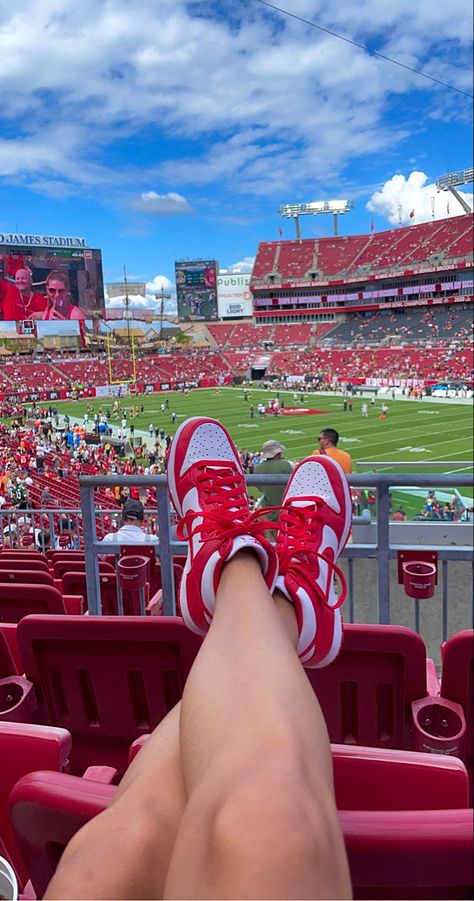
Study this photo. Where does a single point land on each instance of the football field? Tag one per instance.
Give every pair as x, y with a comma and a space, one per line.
414, 431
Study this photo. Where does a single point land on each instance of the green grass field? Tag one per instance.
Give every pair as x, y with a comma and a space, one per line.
414, 431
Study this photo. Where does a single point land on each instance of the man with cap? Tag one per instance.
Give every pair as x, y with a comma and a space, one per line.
131, 531
272, 463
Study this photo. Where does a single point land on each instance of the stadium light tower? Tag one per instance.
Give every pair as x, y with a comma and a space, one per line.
315, 208
453, 180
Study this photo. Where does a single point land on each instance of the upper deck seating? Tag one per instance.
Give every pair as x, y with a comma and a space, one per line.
264, 259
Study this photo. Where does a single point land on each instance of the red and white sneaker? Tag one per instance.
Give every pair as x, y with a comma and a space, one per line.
207, 487
314, 526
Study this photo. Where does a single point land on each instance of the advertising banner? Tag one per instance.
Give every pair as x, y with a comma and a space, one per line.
49, 278
234, 297
196, 290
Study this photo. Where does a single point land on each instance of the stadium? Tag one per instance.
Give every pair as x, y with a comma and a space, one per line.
369, 334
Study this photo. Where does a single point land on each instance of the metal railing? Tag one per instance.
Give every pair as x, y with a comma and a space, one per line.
381, 550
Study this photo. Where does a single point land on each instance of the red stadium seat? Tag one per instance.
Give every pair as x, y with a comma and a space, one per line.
18, 599
365, 695
47, 809
70, 566
457, 684
106, 679
26, 576
24, 748
21, 562
409, 853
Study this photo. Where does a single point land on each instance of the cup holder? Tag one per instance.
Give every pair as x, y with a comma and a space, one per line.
419, 579
17, 699
440, 726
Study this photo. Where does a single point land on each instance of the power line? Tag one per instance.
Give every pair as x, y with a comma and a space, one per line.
387, 59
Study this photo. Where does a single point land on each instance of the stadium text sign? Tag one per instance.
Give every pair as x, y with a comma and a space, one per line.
234, 295
42, 240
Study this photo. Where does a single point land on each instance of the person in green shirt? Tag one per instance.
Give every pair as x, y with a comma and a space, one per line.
273, 462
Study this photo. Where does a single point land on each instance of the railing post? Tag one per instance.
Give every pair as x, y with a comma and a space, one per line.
166, 560
92, 561
383, 553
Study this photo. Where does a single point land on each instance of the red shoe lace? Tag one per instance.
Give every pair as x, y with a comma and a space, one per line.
299, 527
222, 488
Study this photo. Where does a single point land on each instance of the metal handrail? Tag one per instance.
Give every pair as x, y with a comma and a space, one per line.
168, 546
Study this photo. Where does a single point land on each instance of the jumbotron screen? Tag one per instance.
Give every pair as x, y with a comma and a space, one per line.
49, 278
196, 290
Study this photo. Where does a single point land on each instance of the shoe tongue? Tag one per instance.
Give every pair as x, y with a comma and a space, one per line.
304, 502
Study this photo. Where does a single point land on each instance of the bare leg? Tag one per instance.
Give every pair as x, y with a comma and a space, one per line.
261, 820
125, 851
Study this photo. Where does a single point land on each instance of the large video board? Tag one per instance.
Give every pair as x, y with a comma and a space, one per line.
48, 278
196, 290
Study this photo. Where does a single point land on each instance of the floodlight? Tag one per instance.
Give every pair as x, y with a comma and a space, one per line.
315, 208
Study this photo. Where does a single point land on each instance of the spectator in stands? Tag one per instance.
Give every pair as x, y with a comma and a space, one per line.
60, 303
273, 463
11, 307
34, 304
328, 440
399, 515
131, 531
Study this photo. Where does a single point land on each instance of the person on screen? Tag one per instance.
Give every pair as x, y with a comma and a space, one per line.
34, 304
11, 307
60, 304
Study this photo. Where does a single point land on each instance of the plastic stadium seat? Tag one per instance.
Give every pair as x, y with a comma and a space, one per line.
392, 853
457, 683
409, 853
20, 562
389, 779
105, 679
9, 651
46, 810
25, 576
70, 566
19, 599
365, 695
24, 748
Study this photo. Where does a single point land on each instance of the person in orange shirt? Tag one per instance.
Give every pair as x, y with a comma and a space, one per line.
328, 439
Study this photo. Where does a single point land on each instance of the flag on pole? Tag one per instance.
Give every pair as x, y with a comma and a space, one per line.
280, 231
412, 214
372, 225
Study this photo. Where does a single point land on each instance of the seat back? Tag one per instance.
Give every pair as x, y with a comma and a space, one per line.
19, 599
106, 679
23, 562
60, 554
46, 810
75, 582
389, 779
24, 748
70, 566
366, 693
409, 853
27, 576
457, 683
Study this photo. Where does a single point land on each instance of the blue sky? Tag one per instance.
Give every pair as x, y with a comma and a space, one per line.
166, 129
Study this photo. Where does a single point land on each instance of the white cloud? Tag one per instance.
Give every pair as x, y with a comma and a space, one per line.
149, 301
283, 104
170, 204
245, 265
400, 196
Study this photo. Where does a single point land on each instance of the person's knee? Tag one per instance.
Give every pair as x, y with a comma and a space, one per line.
270, 808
